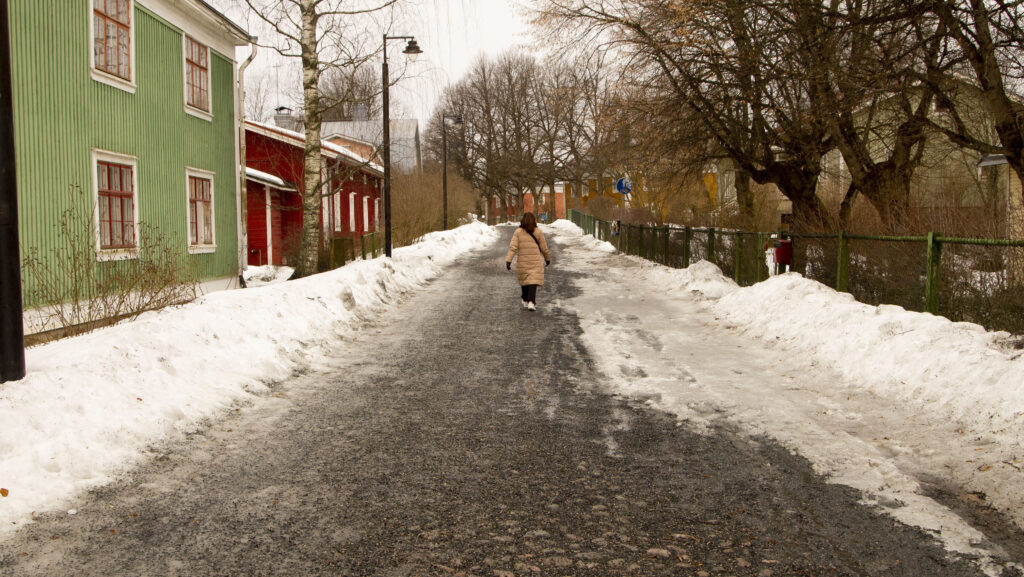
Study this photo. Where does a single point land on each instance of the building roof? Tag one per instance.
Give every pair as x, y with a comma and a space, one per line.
241, 34
371, 131
330, 150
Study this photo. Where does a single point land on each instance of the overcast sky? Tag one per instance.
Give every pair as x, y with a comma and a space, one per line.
452, 34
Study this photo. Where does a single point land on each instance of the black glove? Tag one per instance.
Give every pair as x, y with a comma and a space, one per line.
508, 266
547, 263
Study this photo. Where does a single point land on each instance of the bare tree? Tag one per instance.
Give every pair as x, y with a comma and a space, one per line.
257, 98
324, 35
988, 39
349, 93
716, 59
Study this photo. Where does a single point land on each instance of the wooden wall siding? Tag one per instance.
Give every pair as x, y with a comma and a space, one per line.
61, 114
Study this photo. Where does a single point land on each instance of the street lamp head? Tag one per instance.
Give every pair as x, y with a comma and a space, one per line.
457, 120
412, 50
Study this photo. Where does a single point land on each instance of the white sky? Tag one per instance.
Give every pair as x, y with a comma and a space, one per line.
452, 34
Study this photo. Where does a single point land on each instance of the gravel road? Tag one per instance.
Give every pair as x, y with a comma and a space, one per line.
463, 435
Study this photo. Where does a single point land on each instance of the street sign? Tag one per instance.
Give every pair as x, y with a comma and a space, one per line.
624, 185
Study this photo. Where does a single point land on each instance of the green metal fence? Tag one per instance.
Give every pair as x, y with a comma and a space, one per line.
963, 279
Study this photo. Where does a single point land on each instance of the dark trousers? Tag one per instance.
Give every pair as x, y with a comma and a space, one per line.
530, 293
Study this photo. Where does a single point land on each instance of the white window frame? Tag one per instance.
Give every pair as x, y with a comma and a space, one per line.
352, 213
366, 213
128, 85
376, 214
206, 174
106, 254
337, 212
189, 109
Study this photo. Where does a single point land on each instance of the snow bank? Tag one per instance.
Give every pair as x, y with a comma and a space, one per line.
958, 369
961, 369
90, 406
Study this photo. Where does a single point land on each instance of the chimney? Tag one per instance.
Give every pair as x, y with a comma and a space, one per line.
283, 118
360, 111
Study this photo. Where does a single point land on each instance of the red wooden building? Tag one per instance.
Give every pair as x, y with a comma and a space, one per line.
351, 206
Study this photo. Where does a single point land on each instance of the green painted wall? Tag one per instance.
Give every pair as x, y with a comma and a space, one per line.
61, 114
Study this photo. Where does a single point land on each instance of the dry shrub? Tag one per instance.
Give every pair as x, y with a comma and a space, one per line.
417, 208
76, 292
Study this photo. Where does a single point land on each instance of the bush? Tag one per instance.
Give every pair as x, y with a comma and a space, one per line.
76, 292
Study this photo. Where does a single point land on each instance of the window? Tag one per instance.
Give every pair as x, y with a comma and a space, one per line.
112, 42
200, 210
115, 204
197, 75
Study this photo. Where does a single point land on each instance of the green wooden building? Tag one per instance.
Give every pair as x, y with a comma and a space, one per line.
125, 116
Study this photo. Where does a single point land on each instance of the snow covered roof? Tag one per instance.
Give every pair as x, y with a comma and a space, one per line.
268, 179
371, 130
330, 150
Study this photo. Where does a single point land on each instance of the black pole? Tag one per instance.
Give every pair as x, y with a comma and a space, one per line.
12, 333
386, 150
444, 169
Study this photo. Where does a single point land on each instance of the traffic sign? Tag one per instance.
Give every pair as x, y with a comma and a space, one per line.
624, 185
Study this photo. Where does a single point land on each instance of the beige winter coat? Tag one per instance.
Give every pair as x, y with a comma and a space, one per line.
530, 265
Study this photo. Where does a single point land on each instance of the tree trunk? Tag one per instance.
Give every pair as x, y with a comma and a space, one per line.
312, 161
744, 198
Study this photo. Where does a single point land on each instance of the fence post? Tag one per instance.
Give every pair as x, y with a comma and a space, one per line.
711, 245
932, 278
362, 246
843, 264
687, 237
737, 258
649, 253
668, 245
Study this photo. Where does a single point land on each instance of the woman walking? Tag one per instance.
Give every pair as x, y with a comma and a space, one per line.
528, 242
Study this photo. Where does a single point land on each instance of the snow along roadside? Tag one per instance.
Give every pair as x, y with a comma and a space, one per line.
875, 397
92, 405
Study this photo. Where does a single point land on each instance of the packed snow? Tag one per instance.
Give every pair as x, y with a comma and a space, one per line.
92, 406
887, 401
878, 398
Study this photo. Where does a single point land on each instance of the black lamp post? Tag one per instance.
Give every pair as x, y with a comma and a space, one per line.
457, 119
412, 50
12, 335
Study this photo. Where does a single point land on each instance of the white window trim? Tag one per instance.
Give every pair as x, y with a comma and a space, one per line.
376, 214
103, 76
189, 109
270, 225
366, 214
201, 248
352, 212
337, 212
106, 254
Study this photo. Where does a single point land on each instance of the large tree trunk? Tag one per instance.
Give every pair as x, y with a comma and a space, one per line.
311, 167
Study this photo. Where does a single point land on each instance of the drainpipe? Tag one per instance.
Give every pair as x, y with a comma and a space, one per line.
243, 216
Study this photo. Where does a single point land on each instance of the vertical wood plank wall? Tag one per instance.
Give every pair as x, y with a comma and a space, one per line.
61, 114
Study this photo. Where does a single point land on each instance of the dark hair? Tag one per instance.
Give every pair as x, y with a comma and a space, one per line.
529, 222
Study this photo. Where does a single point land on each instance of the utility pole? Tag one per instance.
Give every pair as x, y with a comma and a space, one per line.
12, 333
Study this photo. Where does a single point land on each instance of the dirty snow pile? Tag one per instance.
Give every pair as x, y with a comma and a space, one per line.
92, 405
